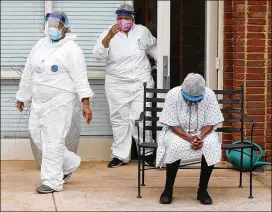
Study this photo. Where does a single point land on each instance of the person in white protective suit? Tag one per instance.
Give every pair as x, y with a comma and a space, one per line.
190, 116
54, 80
125, 47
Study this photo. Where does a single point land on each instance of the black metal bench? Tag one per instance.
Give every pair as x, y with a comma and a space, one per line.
229, 112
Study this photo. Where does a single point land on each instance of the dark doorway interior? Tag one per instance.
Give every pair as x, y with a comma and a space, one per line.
192, 37
175, 47
187, 37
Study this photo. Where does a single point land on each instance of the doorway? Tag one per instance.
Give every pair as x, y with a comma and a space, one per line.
187, 34
180, 28
197, 22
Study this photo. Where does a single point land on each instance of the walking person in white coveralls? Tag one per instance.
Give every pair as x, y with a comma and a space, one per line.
190, 117
125, 47
55, 80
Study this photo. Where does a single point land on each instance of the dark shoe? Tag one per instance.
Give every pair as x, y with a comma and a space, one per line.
166, 197
66, 176
204, 197
149, 160
115, 163
44, 189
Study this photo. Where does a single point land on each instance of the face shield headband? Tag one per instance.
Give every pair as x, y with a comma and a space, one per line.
125, 12
56, 16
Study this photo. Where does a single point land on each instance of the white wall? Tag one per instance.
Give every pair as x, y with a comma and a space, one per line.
90, 148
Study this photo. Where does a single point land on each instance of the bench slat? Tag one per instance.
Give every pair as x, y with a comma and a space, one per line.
148, 118
229, 101
155, 99
228, 129
235, 146
232, 120
230, 110
154, 109
155, 90
228, 92
157, 128
148, 145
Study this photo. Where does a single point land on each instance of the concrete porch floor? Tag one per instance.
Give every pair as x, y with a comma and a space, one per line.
94, 187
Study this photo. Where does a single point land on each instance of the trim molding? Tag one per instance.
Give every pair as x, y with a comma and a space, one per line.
94, 74
96, 148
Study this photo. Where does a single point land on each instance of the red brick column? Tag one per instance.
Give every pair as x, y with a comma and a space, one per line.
229, 31
257, 91
234, 52
247, 60
268, 146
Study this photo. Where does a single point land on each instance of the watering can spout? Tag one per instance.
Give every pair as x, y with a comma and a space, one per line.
262, 163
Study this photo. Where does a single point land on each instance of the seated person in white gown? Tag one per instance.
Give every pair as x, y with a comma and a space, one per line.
190, 117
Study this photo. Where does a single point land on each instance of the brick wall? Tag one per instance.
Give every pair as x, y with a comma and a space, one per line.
247, 60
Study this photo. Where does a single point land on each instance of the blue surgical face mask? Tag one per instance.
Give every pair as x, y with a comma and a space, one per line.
54, 33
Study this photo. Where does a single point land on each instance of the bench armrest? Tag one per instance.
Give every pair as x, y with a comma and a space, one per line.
140, 119
254, 124
137, 125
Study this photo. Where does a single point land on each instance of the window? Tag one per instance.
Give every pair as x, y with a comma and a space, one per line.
21, 28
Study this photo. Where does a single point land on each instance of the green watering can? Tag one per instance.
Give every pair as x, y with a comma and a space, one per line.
234, 156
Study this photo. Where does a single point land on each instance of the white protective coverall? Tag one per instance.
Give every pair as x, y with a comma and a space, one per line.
54, 79
127, 67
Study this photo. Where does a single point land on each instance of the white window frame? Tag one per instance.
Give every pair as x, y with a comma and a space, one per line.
220, 54
211, 47
48, 5
163, 41
6, 75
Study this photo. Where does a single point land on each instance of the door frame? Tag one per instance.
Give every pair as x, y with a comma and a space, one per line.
163, 44
211, 47
214, 20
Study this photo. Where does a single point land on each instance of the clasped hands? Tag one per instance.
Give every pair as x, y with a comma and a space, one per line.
196, 142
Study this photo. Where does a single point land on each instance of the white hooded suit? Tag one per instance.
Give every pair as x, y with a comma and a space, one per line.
55, 80
127, 67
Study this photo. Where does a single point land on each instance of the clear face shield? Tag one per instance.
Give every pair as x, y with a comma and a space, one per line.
54, 24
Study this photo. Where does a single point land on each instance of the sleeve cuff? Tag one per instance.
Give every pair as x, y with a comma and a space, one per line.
102, 48
89, 94
23, 95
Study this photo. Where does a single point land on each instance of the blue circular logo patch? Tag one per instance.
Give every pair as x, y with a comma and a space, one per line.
54, 68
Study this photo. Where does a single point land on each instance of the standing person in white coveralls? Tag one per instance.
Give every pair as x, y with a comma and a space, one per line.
55, 80
125, 47
190, 116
